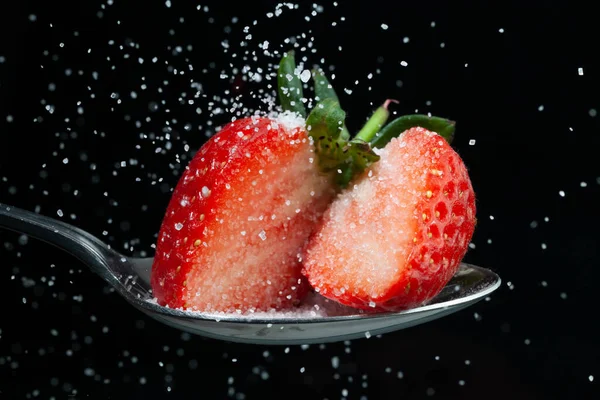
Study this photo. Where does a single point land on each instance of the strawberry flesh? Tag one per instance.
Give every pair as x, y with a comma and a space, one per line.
239, 219
396, 236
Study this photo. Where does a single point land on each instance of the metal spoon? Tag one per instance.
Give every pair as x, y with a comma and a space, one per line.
131, 278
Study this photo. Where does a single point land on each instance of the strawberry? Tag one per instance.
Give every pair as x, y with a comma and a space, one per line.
245, 209
238, 219
396, 235
242, 212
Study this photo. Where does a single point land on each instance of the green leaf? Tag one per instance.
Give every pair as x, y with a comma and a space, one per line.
441, 126
325, 124
290, 85
323, 89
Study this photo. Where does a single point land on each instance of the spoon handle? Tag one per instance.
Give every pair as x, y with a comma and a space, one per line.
84, 246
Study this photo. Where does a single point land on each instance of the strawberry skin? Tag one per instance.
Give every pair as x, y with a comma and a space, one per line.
396, 236
239, 219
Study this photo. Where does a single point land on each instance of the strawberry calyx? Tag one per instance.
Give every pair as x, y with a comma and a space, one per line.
338, 153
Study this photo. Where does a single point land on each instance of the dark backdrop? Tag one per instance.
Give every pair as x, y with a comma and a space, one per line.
510, 75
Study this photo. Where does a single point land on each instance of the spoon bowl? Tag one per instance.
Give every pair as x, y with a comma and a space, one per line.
319, 321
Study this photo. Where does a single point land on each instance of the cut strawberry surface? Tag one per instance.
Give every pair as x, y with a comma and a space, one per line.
239, 218
396, 236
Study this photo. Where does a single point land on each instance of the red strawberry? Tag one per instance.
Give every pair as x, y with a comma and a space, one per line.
396, 236
239, 218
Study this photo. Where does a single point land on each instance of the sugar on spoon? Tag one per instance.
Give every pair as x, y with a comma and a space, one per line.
130, 277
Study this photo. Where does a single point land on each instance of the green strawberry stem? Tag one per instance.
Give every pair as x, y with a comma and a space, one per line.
290, 85
441, 126
375, 123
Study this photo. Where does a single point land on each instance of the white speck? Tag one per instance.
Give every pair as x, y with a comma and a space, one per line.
563, 296
580, 71
335, 362
59, 213
305, 76
400, 374
583, 184
541, 108
472, 142
461, 383
591, 378
406, 39
492, 217
262, 235
403, 63
544, 246
593, 112
501, 30
384, 27
178, 226
372, 304
302, 370
527, 342
89, 372
205, 191
368, 334
561, 193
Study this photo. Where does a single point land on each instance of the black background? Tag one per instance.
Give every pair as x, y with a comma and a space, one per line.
516, 92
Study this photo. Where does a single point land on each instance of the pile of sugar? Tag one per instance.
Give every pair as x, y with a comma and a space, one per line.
289, 119
313, 306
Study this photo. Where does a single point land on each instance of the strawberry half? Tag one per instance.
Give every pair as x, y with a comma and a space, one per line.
396, 236
239, 218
